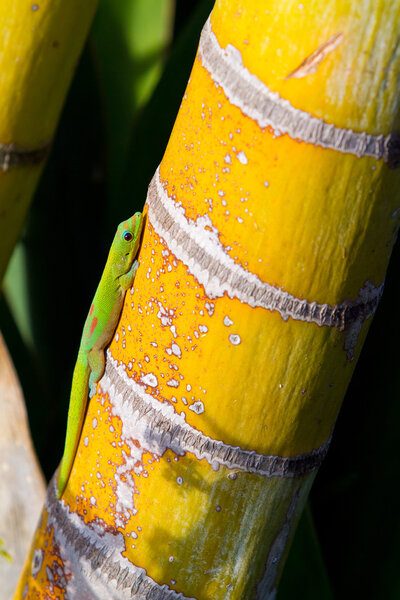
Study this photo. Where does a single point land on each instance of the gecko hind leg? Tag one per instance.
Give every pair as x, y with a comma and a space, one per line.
96, 361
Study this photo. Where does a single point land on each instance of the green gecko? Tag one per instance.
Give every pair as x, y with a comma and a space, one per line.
100, 324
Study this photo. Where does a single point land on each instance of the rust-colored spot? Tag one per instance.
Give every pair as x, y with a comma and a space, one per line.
93, 326
310, 64
91, 310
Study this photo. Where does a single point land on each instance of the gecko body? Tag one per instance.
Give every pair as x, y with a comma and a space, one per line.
100, 324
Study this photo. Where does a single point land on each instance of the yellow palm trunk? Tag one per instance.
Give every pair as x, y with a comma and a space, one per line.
270, 223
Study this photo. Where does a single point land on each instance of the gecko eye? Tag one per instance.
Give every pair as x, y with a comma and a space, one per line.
127, 236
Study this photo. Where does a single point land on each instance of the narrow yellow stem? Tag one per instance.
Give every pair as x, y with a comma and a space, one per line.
39, 48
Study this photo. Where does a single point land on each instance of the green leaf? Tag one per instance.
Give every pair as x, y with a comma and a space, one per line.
130, 38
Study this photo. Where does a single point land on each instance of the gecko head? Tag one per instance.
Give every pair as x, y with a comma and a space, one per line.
126, 243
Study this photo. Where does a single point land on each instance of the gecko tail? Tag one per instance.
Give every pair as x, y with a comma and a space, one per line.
76, 417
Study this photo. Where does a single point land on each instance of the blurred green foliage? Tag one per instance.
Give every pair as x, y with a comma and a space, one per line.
112, 135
